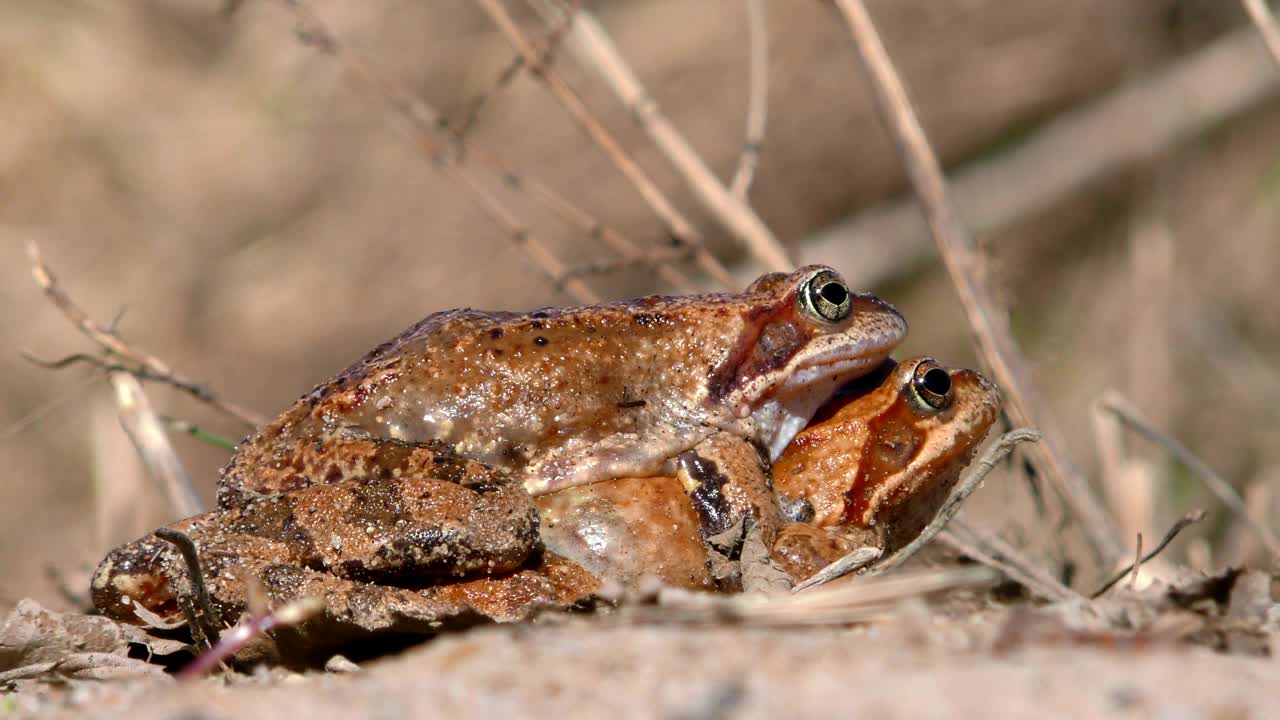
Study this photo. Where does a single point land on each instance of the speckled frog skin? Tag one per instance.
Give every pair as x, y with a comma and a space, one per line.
546, 400
565, 397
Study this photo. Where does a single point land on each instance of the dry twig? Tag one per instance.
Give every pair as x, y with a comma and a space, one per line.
860, 558
757, 99
996, 553
1122, 409
1190, 518
1266, 24
589, 40
148, 366
136, 414
446, 152
955, 247
676, 223
985, 464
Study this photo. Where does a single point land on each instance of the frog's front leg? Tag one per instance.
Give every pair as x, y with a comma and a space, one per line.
729, 484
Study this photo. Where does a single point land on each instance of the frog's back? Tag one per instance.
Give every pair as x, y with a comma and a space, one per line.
504, 387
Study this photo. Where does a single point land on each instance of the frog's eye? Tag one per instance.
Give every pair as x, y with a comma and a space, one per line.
931, 386
826, 296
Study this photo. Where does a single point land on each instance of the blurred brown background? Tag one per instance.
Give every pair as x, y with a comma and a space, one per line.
262, 222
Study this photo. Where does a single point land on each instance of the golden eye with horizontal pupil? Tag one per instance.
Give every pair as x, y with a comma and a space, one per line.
931, 385
826, 296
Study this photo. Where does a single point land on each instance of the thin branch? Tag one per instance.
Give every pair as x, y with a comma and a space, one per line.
609, 265
1266, 24
862, 560
154, 368
1125, 127
508, 73
983, 467
1190, 518
591, 43
757, 99
430, 125
148, 435
955, 247
1129, 415
996, 553
425, 123
676, 223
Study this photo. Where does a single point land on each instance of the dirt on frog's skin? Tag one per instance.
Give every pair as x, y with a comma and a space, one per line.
914, 666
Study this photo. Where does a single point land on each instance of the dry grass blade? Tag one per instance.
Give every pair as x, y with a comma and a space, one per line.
1262, 18
966, 271
757, 99
147, 432
151, 367
588, 39
1190, 518
967, 485
996, 553
676, 223
1117, 404
837, 604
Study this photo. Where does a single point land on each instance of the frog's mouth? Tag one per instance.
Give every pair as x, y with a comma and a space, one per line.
791, 406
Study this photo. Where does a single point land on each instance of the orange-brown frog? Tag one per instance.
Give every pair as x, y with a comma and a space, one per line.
871, 470
493, 402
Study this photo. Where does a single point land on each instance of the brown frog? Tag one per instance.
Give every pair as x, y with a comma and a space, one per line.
501, 406
871, 470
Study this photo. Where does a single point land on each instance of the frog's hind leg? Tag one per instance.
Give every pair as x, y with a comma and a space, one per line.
408, 528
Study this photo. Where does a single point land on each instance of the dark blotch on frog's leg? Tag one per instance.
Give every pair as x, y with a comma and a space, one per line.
714, 513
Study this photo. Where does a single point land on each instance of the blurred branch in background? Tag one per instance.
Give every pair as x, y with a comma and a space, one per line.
987, 320
447, 152
136, 414
1266, 24
590, 42
676, 223
149, 366
757, 99
1078, 147
1116, 403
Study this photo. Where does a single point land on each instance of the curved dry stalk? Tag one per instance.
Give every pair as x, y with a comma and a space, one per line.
955, 247
973, 479
151, 366
757, 99
675, 221
1116, 404
589, 40
1266, 24
1190, 518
